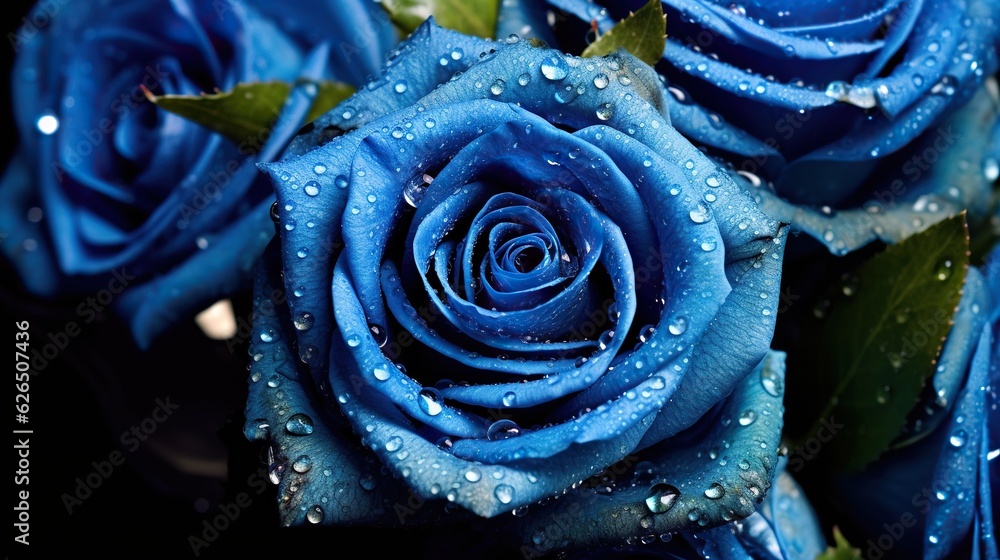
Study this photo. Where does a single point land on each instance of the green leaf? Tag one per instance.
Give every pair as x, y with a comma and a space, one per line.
642, 34
843, 550
880, 342
249, 109
328, 96
472, 17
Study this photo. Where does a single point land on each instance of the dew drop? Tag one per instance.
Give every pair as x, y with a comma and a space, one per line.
381, 373
677, 326
47, 124
367, 482
601, 81
715, 491
605, 339
605, 111
991, 169
378, 333
302, 464
957, 439
747, 417
554, 68
943, 270
700, 214
497, 87
299, 425
315, 515
882, 395
504, 493
646, 333
502, 429
394, 444
473, 475
771, 382
413, 192
430, 400
311, 188
662, 497
304, 321
509, 398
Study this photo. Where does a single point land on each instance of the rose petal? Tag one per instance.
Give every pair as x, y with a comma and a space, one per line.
743, 471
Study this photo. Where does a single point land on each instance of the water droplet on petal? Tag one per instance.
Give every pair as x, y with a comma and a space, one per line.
47, 124
957, 439
554, 67
771, 382
502, 429
315, 515
715, 491
504, 493
991, 169
605, 111
430, 400
302, 464
662, 497
747, 417
605, 339
677, 326
393, 444
700, 214
379, 333
367, 482
646, 333
304, 321
299, 425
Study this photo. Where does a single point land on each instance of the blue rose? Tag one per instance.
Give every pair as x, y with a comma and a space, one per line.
934, 496
110, 195
504, 277
838, 111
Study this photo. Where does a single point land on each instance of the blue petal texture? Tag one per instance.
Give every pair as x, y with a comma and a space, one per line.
932, 497
507, 271
835, 109
106, 186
